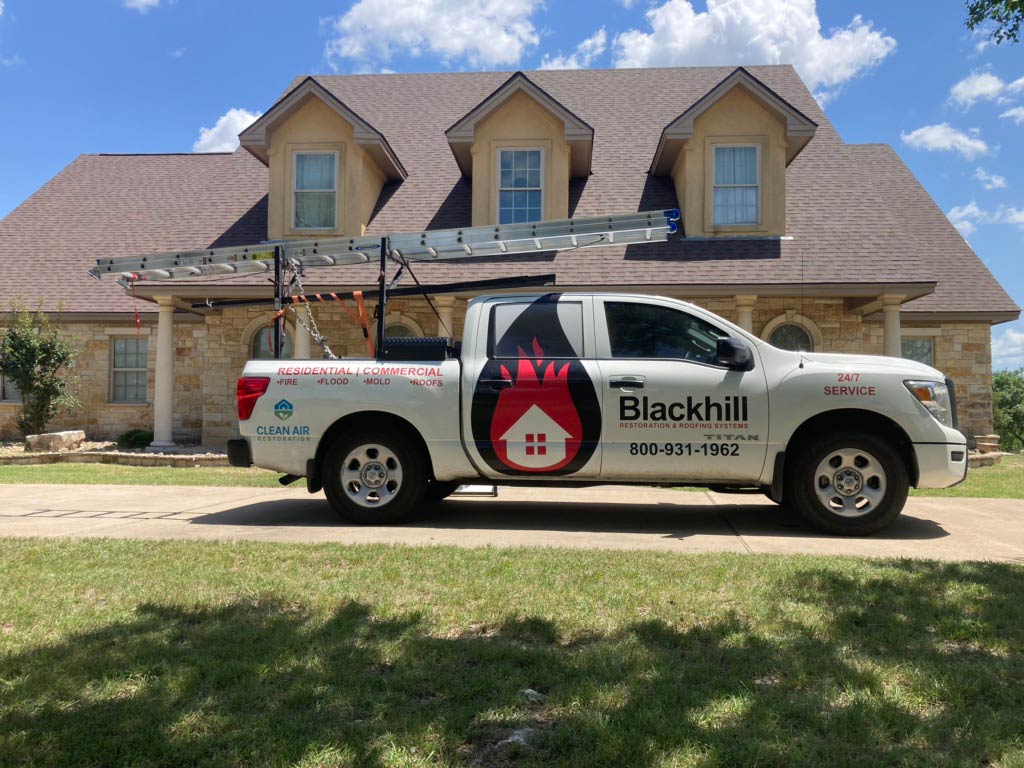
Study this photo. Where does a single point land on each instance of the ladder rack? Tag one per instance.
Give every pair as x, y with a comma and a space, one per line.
429, 245
401, 249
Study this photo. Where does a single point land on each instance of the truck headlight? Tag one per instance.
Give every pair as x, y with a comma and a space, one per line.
933, 395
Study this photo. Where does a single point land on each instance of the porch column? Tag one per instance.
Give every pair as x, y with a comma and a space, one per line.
893, 345
745, 312
303, 347
163, 394
445, 325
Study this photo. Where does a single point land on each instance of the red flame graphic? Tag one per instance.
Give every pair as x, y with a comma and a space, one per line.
548, 389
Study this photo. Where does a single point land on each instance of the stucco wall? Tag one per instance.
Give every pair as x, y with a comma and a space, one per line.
315, 126
737, 118
519, 122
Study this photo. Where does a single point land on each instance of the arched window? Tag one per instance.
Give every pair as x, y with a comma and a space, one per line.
793, 332
791, 336
398, 331
261, 346
399, 326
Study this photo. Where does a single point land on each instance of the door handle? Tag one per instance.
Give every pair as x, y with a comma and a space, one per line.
626, 383
497, 384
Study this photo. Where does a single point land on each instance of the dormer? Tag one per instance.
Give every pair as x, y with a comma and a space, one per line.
727, 155
327, 164
520, 146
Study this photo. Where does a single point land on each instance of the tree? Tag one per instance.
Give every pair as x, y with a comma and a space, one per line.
33, 356
1008, 408
1007, 15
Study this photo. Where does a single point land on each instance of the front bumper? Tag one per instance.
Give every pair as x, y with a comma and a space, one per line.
940, 465
239, 454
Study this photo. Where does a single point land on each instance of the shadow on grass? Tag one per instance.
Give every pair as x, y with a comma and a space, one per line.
895, 673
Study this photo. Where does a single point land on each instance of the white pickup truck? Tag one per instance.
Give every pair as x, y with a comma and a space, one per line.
588, 389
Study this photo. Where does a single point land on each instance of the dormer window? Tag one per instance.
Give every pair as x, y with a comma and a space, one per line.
315, 193
520, 186
737, 190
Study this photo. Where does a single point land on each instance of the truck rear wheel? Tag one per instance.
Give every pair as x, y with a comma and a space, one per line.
851, 483
374, 480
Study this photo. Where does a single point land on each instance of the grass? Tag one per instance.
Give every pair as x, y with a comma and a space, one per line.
183, 653
112, 474
1004, 480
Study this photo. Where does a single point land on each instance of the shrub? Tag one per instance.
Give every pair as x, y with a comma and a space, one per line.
1008, 408
135, 438
33, 356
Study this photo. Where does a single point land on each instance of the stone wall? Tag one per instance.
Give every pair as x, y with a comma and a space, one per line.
210, 355
104, 420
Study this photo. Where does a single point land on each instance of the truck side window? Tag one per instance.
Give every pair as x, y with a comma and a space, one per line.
542, 328
649, 331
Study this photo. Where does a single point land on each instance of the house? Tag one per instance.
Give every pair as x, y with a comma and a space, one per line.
795, 235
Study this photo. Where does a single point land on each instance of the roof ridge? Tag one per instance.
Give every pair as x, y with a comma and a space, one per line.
510, 72
152, 154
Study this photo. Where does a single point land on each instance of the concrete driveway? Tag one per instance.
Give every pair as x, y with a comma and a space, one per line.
611, 517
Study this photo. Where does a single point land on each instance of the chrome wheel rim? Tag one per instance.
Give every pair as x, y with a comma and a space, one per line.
371, 475
850, 482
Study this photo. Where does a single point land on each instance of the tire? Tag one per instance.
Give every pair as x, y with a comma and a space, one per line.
374, 480
438, 491
850, 483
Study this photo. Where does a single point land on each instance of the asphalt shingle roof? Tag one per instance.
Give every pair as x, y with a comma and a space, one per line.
855, 212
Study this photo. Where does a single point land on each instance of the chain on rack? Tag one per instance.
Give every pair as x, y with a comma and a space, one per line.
311, 328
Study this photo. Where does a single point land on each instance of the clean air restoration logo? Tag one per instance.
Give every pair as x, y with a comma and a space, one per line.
284, 410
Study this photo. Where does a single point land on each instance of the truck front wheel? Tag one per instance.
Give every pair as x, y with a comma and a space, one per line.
373, 479
850, 483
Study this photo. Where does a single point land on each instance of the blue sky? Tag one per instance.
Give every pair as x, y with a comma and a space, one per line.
151, 75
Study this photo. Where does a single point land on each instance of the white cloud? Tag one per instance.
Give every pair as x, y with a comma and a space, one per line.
966, 218
142, 6
1016, 114
989, 180
980, 86
178, 53
1016, 86
945, 138
223, 137
582, 57
762, 32
483, 33
1008, 215
1007, 349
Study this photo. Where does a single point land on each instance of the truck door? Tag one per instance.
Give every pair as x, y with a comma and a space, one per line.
531, 402
670, 412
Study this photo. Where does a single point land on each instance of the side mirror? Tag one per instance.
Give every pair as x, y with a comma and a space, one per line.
734, 354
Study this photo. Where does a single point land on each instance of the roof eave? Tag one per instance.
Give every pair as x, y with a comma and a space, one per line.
255, 139
579, 134
800, 129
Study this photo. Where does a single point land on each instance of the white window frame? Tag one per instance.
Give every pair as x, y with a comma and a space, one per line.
296, 190
114, 370
497, 167
714, 175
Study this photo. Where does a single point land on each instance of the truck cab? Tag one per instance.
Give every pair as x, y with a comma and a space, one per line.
610, 388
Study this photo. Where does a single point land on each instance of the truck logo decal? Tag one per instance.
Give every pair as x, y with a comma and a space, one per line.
549, 420
284, 410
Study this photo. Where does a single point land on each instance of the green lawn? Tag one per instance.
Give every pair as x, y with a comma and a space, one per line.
121, 653
104, 474
1003, 481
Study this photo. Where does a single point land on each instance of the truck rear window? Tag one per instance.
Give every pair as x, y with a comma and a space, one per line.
542, 328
